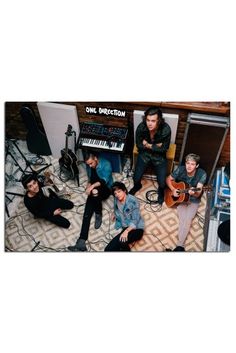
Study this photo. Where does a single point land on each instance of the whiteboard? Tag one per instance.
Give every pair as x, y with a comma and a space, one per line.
170, 119
55, 118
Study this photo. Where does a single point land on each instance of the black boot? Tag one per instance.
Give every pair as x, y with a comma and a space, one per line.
179, 248
79, 246
98, 220
135, 189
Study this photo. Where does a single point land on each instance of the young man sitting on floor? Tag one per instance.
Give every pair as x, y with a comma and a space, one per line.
100, 179
127, 217
47, 207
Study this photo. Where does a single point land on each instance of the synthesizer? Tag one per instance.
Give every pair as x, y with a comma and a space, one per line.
103, 137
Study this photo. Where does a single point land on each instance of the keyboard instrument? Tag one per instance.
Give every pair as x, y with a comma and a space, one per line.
102, 137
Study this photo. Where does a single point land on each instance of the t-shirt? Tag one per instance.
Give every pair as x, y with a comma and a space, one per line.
180, 174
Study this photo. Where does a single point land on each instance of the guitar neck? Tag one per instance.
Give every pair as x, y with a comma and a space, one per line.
185, 191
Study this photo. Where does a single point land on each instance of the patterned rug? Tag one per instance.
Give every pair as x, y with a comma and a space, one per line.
24, 233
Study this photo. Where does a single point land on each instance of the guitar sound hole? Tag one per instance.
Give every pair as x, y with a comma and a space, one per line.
175, 198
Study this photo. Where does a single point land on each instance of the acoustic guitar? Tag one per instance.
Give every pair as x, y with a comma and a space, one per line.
183, 189
68, 160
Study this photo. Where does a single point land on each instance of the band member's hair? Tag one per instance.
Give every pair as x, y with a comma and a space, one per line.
117, 185
89, 154
193, 157
27, 178
154, 111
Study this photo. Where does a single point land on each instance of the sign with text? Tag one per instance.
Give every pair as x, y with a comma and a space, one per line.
105, 111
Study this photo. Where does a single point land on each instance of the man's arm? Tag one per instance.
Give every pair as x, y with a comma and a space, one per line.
196, 194
36, 208
149, 145
161, 146
90, 187
169, 180
140, 137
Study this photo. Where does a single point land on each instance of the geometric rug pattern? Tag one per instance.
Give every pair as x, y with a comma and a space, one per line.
24, 233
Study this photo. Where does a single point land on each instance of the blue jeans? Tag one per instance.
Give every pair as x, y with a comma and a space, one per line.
160, 171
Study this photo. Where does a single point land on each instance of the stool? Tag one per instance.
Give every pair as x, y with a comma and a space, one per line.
170, 155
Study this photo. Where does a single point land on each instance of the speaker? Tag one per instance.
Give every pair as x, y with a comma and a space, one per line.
205, 136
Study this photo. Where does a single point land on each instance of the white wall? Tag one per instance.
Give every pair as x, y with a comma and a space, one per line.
171, 119
55, 118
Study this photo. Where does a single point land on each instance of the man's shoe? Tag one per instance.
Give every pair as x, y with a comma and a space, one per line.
73, 248
179, 248
134, 190
79, 246
98, 220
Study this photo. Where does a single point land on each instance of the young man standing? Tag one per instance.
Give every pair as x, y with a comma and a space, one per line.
153, 140
195, 177
47, 207
100, 179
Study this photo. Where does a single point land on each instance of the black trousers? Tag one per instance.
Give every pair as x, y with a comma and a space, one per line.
160, 171
64, 205
117, 245
93, 204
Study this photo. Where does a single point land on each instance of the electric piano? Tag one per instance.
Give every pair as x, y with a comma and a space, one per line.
102, 137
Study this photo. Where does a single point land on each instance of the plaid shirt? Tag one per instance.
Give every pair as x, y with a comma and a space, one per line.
157, 154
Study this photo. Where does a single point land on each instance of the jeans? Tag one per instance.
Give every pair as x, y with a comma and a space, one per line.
186, 213
117, 245
160, 171
93, 204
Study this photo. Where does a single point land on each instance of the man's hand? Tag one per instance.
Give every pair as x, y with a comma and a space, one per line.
149, 145
57, 212
89, 189
191, 192
146, 144
175, 192
124, 236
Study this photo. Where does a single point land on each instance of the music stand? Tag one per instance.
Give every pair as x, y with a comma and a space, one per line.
28, 165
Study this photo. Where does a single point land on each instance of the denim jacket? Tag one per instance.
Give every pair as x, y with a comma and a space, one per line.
131, 214
104, 171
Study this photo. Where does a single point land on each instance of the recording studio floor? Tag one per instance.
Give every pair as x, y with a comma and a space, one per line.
24, 233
